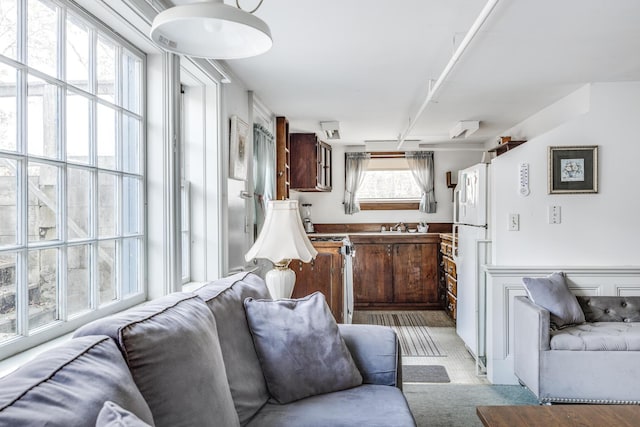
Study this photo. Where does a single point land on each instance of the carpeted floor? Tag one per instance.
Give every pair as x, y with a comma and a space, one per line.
452, 405
449, 404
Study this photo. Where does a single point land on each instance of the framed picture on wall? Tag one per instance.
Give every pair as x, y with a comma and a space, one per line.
238, 155
573, 169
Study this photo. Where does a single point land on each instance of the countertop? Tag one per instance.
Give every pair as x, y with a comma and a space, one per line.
380, 237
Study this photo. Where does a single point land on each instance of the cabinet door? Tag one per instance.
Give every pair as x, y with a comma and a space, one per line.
415, 273
304, 161
323, 274
372, 275
283, 172
324, 166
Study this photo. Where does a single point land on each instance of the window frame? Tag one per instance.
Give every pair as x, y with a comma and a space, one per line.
396, 204
24, 336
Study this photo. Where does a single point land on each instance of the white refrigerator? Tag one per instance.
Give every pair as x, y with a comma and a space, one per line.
471, 252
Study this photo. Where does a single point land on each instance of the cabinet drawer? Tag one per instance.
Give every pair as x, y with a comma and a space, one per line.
452, 285
451, 306
445, 248
450, 267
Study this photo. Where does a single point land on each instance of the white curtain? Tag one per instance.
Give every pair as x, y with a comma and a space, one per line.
421, 164
264, 171
355, 166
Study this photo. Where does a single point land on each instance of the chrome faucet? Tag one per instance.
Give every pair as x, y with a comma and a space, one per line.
399, 227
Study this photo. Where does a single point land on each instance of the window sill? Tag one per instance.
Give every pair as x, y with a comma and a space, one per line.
389, 206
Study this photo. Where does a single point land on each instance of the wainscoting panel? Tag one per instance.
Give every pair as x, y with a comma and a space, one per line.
504, 283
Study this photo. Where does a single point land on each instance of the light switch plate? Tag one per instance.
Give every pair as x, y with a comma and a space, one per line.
514, 222
555, 216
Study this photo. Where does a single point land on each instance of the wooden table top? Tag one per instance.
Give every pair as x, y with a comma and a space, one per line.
559, 415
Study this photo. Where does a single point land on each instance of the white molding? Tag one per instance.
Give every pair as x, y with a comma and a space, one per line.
499, 271
505, 282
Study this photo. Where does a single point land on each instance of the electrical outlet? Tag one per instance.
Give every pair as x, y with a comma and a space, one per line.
514, 222
554, 215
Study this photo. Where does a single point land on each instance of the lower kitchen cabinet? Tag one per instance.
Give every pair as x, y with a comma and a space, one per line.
415, 279
396, 275
448, 275
324, 274
372, 274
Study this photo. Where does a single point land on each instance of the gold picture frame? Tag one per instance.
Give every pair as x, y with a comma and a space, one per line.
573, 169
238, 149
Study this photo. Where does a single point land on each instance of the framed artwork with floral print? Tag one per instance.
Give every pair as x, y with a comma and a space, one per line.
573, 169
238, 155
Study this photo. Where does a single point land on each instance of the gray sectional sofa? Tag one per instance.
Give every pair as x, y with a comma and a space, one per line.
597, 361
188, 359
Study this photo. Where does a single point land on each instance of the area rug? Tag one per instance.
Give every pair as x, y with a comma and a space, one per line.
424, 374
413, 333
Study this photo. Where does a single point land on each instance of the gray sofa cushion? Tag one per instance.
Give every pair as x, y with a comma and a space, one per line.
225, 298
600, 336
300, 348
112, 415
376, 351
366, 405
172, 349
553, 294
68, 385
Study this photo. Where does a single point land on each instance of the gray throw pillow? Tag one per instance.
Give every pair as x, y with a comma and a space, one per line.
112, 415
553, 294
300, 349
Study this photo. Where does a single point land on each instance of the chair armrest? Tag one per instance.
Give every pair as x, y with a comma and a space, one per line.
533, 321
376, 352
531, 336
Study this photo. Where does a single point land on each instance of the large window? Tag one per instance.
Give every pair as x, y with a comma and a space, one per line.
388, 184
71, 172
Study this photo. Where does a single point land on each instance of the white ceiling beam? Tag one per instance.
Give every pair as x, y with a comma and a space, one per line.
477, 24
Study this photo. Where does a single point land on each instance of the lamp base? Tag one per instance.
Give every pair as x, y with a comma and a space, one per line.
280, 282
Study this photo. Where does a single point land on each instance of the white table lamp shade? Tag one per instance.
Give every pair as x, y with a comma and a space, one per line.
282, 236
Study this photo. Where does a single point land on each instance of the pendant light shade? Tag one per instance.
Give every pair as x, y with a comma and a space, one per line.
211, 29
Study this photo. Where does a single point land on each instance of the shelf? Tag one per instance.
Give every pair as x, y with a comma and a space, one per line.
503, 148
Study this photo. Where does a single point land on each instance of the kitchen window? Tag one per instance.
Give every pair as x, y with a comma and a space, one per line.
71, 171
388, 184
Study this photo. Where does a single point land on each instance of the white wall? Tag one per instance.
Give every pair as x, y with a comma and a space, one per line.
237, 238
596, 229
328, 209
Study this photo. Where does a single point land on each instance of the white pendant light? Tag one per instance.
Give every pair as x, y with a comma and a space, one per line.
211, 29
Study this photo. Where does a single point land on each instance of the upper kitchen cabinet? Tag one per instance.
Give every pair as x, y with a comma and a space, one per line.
283, 171
310, 163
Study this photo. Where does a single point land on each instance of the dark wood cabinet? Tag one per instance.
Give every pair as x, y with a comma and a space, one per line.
324, 274
310, 163
283, 171
397, 274
413, 274
448, 275
372, 274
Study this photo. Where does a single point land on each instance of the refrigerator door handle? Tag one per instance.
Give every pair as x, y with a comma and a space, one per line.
456, 202
454, 248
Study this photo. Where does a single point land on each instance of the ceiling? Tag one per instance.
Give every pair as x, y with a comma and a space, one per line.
367, 64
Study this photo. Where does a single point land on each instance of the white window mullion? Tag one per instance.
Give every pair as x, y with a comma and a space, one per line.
63, 314
62, 43
21, 44
22, 279
119, 78
61, 221
94, 285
